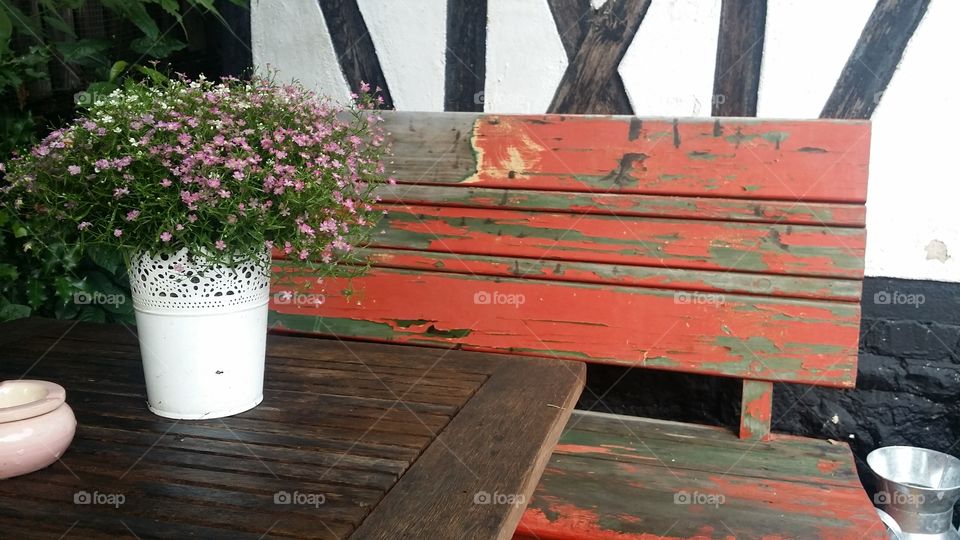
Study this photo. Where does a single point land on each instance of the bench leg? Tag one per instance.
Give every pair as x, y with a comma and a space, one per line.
756, 409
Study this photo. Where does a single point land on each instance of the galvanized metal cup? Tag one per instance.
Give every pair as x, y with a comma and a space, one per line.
917, 488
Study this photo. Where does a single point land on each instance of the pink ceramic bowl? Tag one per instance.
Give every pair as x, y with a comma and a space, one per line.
36, 426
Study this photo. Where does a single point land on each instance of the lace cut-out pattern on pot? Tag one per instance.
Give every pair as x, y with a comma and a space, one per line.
178, 283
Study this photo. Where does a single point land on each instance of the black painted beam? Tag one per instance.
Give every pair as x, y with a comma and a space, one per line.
572, 19
591, 83
354, 46
466, 62
736, 76
874, 59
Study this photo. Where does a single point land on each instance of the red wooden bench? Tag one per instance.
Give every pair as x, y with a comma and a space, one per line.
727, 247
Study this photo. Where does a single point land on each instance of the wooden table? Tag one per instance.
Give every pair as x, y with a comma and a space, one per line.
352, 440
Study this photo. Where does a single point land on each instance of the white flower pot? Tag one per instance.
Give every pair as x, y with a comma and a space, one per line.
202, 333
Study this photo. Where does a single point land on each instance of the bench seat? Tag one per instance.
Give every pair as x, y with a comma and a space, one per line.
617, 477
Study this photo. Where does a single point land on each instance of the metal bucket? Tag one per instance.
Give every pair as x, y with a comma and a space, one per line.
917, 489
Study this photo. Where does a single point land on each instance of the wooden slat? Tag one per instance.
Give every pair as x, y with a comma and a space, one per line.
694, 244
641, 276
708, 208
789, 160
444, 505
635, 478
748, 337
756, 410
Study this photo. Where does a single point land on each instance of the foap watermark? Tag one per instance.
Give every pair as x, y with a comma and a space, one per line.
497, 298
299, 499
897, 298
696, 498
688, 297
88, 99
898, 499
479, 98
485, 497
97, 298
292, 298
115, 500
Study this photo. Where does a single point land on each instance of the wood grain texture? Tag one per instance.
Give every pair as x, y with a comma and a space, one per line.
591, 83
466, 55
354, 47
748, 337
756, 410
736, 78
788, 160
346, 422
615, 477
874, 59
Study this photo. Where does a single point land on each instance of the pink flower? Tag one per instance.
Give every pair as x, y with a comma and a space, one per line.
120, 192
268, 244
100, 165
118, 233
166, 182
178, 227
84, 225
73, 170
220, 244
304, 254
132, 215
192, 218
165, 236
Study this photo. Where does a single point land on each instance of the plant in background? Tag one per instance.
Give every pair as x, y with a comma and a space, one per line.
50, 49
225, 170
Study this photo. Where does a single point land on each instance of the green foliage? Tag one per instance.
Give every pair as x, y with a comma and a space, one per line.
52, 278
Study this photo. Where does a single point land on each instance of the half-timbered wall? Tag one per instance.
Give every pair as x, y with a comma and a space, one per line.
771, 58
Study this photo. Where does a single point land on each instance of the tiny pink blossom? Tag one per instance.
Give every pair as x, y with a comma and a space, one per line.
132, 215
84, 225
304, 254
118, 233
165, 236
166, 182
220, 244
178, 227
192, 218
73, 170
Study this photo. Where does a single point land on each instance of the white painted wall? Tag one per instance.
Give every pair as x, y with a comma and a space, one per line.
291, 36
668, 70
804, 52
412, 62
914, 196
525, 57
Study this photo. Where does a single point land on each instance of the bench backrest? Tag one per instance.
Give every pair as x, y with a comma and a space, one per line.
729, 247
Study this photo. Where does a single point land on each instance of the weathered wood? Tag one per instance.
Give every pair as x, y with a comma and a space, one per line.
756, 410
747, 337
635, 478
354, 46
736, 77
321, 430
707, 208
442, 503
572, 19
874, 59
789, 160
591, 83
680, 280
671, 243
466, 55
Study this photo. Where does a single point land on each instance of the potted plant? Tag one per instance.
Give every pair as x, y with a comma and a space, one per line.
198, 182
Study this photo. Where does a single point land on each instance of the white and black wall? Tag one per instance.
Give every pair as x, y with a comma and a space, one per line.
892, 61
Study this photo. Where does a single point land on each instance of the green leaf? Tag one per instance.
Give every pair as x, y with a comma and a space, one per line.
8, 273
159, 48
6, 30
135, 12
10, 312
83, 51
36, 293
117, 69
19, 231
154, 75
56, 22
